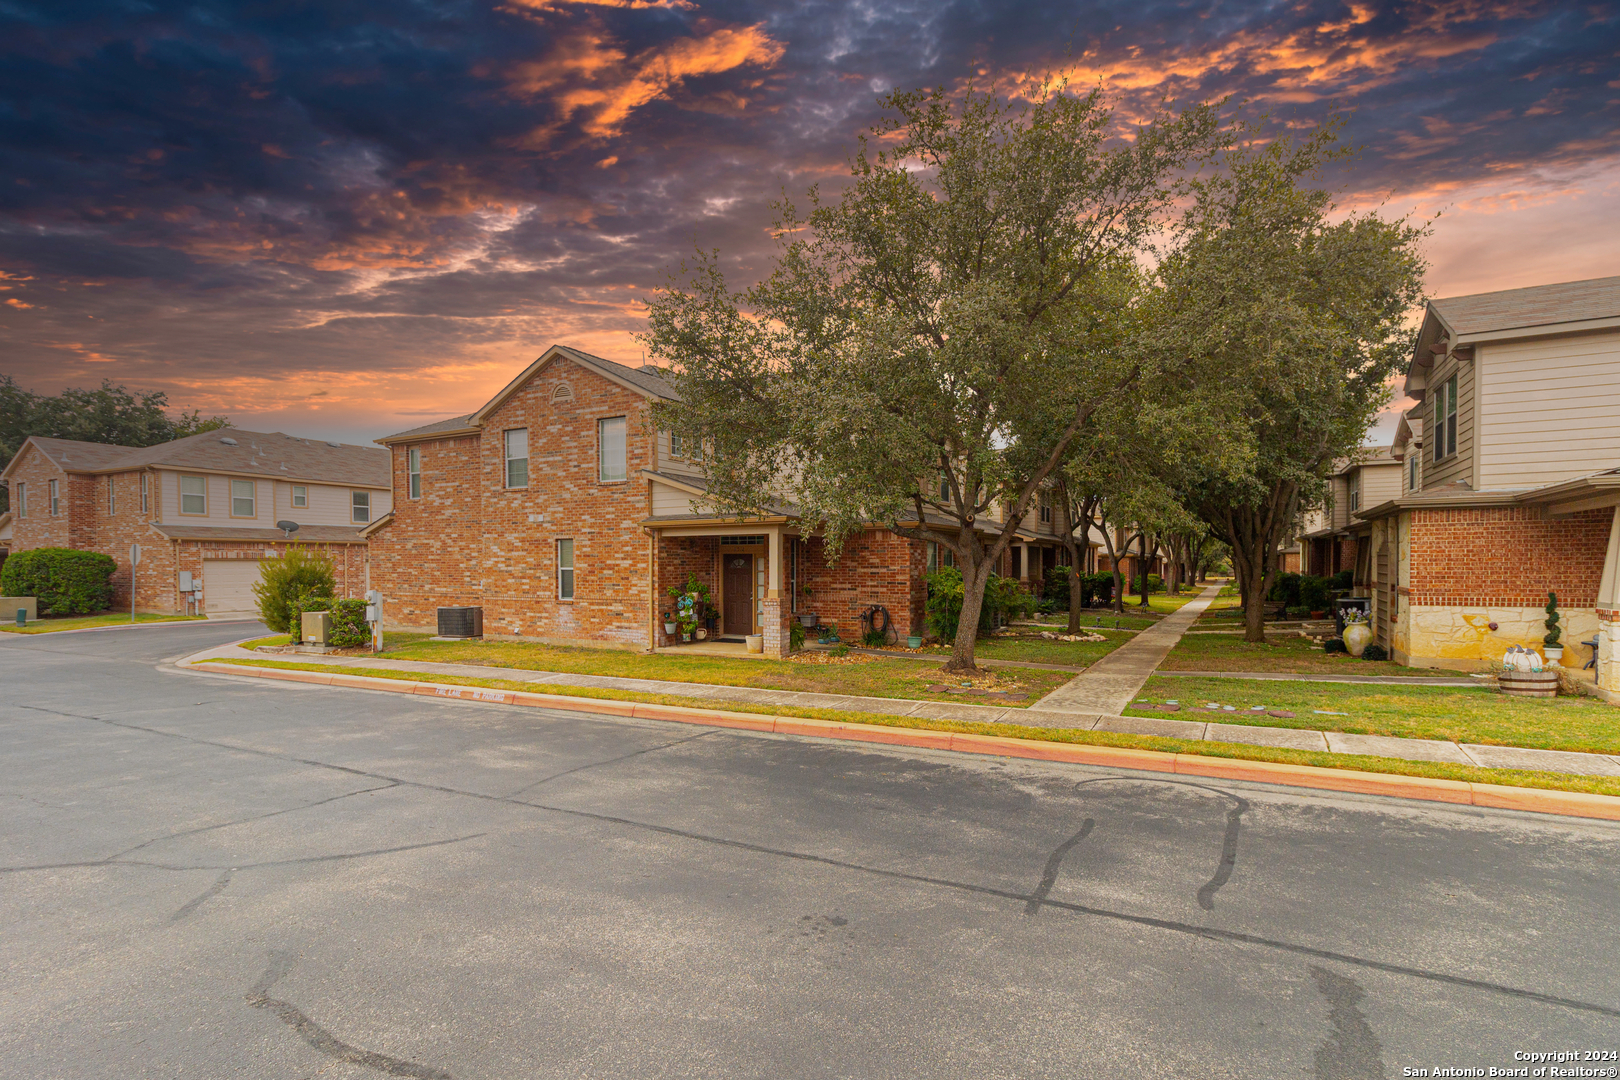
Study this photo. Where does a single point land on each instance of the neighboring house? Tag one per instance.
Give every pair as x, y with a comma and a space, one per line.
1510, 480
1333, 536
204, 506
558, 509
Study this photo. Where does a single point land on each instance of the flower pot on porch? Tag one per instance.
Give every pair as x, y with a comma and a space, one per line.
808, 620
755, 642
669, 629
1554, 653
914, 641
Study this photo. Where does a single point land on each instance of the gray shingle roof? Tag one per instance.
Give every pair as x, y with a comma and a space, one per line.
313, 534
455, 423
1540, 305
71, 455
255, 453
652, 383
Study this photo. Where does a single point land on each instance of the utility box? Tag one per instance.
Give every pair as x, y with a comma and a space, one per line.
10, 605
315, 628
461, 622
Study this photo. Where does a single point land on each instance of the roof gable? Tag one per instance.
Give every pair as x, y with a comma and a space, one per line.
636, 380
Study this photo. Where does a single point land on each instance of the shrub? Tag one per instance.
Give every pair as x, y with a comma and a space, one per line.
1004, 598
839, 650
349, 627
1344, 579
795, 635
1299, 612
1333, 645
944, 608
1551, 622
295, 576
1375, 652
64, 581
874, 639
1096, 589
1285, 590
1315, 593
1055, 588
1155, 583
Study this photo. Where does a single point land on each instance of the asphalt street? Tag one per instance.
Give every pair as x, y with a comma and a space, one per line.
205, 877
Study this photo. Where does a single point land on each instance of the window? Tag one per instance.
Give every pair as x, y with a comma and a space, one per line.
362, 507
1355, 493
516, 446
56, 501
112, 497
1445, 420
676, 448
1411, 473
944, 486
242, 499
300, 498
1046, 508
22, 500
610, 453
939, 556
144, 478
193, 495
565, 569
413, 471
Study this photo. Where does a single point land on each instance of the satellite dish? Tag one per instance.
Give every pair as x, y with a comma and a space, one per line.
288, 527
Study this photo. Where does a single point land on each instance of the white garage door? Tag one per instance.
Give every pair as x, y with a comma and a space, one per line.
228, 586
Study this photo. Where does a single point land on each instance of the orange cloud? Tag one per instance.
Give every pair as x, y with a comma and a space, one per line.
555, 5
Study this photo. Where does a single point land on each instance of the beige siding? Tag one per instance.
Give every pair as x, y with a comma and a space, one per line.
670, 502
1380, 483
1458, 466
670, 464
1339, 511
328, 504
1552, 409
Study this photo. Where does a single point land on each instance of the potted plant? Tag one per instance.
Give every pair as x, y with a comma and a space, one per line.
807, 618
1549, 643
1357, 632
691, 601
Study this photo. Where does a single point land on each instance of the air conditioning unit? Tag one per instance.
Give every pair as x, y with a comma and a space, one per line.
461, 622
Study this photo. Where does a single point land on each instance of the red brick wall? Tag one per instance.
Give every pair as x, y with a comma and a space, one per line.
877, 567
348, 561
39, 529
427, 556
679, 556
1506, 557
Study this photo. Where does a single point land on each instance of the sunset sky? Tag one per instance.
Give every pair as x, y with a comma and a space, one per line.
343, 219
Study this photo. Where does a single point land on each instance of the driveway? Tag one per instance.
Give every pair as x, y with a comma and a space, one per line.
206, 877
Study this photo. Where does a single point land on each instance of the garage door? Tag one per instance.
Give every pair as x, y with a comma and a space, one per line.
228, 586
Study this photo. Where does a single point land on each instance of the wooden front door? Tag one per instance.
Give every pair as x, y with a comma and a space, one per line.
738, 591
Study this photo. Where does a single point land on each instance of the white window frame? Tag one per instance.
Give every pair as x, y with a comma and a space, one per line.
145, 484
567, 575
413, 472
22, 499
676, 449
300, 496
55, 492
360, 502
1355, 493
112, 497
1046, 508
251, 498
602, 476
184, 495
509, 460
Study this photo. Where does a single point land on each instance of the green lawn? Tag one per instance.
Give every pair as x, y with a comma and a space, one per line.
1599, 785
1413, 712
52, 624
1034, 649
1281, 653
856, 674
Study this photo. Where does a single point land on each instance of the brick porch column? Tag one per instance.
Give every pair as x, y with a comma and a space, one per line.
774, 625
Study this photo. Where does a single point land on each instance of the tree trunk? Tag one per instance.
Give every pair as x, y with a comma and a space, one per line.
974, 579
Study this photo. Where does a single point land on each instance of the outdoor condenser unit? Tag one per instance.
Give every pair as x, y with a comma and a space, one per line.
461, 622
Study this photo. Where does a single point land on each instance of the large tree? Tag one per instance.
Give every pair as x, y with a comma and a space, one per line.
106, 414
1307, 308
904, 359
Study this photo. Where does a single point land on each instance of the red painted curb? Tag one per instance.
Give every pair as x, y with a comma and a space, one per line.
1535, 800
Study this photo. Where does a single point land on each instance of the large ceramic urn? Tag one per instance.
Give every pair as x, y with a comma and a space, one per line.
1357, 636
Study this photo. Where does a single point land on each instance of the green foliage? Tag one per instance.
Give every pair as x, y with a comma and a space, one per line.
1551, 622
63, 580
944, 608
1375, 652
874, 639
1334, 645
295, 576
349, 627
839, 650
1096, 589
691, 603
1055, 587
795, 635
108, 414
1285, 590
1004, 599
1155, 584
1315, 592
1344, 579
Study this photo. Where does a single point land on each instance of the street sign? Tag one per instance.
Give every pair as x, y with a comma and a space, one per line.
134, 554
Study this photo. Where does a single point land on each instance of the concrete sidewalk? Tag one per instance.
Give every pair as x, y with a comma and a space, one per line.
1212, 730
1112, 682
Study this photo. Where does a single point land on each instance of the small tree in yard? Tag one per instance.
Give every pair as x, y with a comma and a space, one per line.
1307, 315
928, 346
297, 575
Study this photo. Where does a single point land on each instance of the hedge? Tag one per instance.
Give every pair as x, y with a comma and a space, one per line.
63, 580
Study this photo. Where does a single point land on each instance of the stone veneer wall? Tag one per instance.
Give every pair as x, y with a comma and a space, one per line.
1472, 567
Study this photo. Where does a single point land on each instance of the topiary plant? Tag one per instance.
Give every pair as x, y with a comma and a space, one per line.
1551, 623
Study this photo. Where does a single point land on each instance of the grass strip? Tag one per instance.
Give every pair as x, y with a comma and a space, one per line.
56, 625
1595, 785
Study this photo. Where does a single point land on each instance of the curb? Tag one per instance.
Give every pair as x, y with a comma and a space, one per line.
1458, 792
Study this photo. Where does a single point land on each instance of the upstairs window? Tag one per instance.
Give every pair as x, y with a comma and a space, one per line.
144, 478
1046, 508
56, 501
1355, 494
300, 496
610, 449
1412, 474
1445, 420
112, 496
676, 446
944, 487
413, 471
243, 499
516, 450
193, 495
565, 569
362, 507
22, 500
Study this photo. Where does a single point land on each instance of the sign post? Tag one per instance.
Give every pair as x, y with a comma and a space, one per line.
134, 561
374, 617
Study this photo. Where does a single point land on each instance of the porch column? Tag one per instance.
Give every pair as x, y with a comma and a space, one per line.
1608, 613
773, 614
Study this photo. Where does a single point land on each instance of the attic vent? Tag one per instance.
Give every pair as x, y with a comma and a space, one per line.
564, 392
228, 442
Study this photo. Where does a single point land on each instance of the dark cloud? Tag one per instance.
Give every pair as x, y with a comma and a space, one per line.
379, 209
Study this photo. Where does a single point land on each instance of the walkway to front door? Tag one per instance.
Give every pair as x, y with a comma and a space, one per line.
737, 590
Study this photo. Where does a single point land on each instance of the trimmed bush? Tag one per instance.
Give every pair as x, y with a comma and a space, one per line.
1375, 652
297, 575
1055, 588
1285, 590
1315, 593
1333, 645
349, 627
1003, 598
65, 581
1344, 579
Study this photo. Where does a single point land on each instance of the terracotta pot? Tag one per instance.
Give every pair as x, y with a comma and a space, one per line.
1357, 636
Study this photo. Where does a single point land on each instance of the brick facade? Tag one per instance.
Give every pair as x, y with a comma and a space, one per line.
876, 567
1506, 557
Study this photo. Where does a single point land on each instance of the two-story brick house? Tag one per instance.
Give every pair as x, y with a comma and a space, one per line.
205, 507
561, 511
1510, 480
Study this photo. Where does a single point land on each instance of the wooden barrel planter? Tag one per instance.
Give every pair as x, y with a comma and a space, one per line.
1541, 684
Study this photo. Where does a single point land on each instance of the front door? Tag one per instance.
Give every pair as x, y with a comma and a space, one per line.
738, 589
